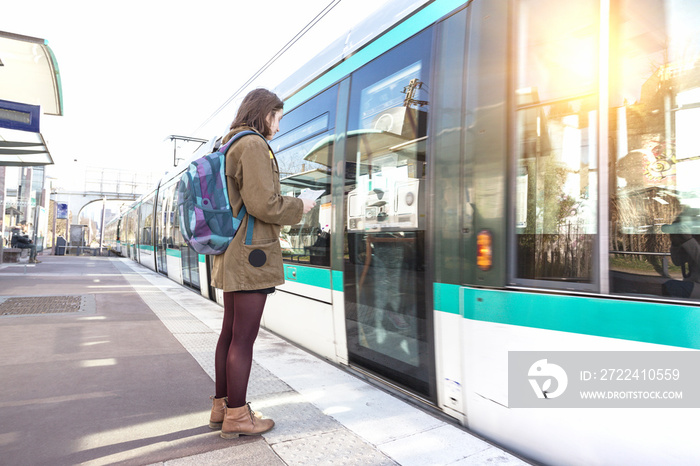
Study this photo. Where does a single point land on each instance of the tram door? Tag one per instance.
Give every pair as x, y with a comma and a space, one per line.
387, 317
190, 266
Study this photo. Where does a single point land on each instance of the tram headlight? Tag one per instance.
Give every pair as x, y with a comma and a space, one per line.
484, 250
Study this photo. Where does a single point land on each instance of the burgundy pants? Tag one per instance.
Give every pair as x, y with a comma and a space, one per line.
234, 351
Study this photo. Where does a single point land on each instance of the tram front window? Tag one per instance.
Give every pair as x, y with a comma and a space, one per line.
655, 148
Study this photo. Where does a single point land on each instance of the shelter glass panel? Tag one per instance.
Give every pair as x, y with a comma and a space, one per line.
22, 199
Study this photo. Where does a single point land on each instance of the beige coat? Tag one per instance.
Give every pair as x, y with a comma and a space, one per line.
253, 179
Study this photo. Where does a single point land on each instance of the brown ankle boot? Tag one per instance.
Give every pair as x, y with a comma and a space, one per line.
242, 421
218, 410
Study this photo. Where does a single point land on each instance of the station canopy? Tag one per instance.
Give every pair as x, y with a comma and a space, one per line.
28, 77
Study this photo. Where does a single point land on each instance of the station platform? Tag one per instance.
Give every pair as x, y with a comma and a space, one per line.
106, 362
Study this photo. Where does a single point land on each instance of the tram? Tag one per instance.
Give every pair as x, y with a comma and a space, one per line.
497, 176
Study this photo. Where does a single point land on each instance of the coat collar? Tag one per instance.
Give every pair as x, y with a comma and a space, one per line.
237, 130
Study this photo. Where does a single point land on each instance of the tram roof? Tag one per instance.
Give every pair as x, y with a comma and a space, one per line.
345, 46
29, 79
393, 12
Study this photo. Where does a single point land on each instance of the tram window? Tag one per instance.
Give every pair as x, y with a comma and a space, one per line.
172, 221
309, 119
387, 153
385, 170
130, 232
305, 163
312, 128
164, 226
189, 259
146, 234
655, 148
557, 59
167, 203
178, 242
556, 139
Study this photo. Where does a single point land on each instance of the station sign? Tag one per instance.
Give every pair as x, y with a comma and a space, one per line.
22, 117
61, 210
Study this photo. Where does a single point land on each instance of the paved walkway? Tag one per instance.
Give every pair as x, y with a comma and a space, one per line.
123, 373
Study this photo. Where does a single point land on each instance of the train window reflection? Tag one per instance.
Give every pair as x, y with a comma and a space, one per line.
377, 100
385, 171
556, 141
146, 222
167, 200
559, 57
130, 229
654, 117
556, 191
301, 133
309, 240
307, 165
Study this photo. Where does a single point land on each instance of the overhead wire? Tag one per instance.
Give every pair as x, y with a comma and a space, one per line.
274, 58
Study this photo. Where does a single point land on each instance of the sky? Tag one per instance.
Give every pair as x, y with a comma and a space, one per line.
135, 72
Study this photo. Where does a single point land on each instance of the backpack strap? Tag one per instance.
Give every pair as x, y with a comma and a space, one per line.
249, 227
251, 223
223, 149
249, 231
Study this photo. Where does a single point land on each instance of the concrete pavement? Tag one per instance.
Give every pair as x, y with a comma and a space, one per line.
118, 369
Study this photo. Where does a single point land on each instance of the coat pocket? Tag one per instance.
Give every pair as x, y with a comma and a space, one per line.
262, 264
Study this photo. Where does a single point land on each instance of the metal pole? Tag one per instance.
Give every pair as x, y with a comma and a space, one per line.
2, 213
55, 214
102, 224
603, 256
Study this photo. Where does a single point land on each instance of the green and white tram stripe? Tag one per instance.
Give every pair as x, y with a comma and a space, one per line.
647, 322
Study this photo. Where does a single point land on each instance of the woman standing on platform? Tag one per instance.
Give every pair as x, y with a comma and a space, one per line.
248, 273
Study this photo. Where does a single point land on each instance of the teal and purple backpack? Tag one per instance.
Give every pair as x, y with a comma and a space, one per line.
206, 220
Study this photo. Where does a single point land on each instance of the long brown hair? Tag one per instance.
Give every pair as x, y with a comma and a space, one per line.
255, 108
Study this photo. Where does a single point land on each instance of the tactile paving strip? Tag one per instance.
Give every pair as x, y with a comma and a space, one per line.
339, 447
299, 419
201, 346
263, 382
33, 305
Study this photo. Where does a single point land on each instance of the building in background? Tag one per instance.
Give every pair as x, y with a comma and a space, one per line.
30, 86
